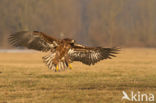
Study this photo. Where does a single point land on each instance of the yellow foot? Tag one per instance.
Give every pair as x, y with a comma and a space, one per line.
70, 67
57, 68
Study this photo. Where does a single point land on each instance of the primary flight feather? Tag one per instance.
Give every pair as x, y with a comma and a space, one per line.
62, 52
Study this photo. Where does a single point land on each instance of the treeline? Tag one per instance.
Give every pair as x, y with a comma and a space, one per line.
126, 23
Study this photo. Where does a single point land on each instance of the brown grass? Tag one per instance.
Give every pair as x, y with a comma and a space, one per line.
25, 79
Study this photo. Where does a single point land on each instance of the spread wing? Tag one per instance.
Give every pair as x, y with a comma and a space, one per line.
90, 56
33, 40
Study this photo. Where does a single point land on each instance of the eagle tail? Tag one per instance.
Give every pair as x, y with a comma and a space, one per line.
61, 66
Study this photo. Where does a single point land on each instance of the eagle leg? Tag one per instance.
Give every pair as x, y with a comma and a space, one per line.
57, 68
70, 66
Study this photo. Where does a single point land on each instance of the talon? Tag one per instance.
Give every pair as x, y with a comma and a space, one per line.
70, 66
57, 68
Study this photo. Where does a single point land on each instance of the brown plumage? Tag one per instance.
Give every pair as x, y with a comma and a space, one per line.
62, 52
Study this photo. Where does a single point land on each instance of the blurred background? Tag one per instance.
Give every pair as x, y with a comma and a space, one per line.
107, 23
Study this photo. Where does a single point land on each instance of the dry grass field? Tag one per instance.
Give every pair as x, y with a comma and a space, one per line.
25, 79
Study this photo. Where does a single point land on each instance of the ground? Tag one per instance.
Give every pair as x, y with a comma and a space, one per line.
25, 79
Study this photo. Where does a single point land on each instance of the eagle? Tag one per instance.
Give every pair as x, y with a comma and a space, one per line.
61, 52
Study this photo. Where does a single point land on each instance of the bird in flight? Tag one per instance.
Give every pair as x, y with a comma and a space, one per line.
62, 52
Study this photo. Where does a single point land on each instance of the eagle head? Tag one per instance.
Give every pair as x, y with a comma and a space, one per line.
71, 41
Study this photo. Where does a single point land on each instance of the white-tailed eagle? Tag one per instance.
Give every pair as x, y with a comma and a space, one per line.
62, 52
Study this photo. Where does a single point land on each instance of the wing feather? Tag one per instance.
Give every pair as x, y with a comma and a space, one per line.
90, 56
33, 40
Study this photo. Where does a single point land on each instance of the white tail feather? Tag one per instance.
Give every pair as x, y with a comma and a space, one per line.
48, 60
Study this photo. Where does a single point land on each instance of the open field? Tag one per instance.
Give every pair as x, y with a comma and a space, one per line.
25, 79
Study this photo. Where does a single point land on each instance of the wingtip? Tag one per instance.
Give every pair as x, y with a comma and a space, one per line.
115, 50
